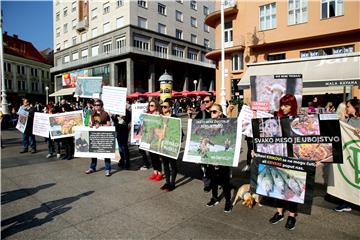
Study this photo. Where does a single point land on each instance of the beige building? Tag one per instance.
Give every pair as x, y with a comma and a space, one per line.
295, 34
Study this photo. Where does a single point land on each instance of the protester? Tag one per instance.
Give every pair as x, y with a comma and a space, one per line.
122, 124
353, 119
207, 103
219, 175
170, 174
28, 130
330, 108
288, 107
99, 118
51, 143
67, 142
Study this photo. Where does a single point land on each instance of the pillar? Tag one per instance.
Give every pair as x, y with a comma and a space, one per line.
151, 80
130, 75
186, 82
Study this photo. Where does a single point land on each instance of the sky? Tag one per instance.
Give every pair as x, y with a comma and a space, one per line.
32, 21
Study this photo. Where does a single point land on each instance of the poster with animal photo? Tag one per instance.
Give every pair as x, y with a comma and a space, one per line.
305, 136
161, 135
137, 111
213, 141
284, 178
267, 90
88, 87
22, 119
95, 142
63, 124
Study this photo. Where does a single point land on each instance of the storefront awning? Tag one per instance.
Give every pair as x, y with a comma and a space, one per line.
327, 74
63, 92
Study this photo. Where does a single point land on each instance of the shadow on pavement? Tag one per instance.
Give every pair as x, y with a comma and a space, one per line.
45, 213
14, 195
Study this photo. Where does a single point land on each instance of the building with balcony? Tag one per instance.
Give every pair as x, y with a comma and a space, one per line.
293, 36
26, 71
132, 43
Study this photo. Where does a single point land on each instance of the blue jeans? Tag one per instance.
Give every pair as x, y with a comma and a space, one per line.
94, 163
26, 143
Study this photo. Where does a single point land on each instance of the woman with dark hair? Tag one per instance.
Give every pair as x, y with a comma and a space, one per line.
99, 118
288, 107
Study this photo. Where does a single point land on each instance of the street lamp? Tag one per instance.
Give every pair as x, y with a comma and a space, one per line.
195, 82
4, 103
47, 95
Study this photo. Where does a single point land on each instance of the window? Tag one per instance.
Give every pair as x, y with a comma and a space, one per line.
206, 28
193, 4
120, 22
162, 28
179, 16
192, 54
120, 42
95, 51
228, 34
18, 69
107, 47
193, 22
66, 44
206, 43
75, 56
74, 40
142, 3
65, 12
142, 22
36, 72
7, 67
331, 8
193, 38
94, 32
141, 43
73, 6
237, 62
161, 49
179, 34
58, 32
267, 16
83, 37
66, 59
42, 74
57, 16
84, 53
65, 28
22, 70
106, 27
161, 9
206, 10
106, 7
327, 51
178, 51
119, 3
275, 57
94, 13
73, 23
297, 11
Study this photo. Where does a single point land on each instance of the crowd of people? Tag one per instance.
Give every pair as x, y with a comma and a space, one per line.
165, 167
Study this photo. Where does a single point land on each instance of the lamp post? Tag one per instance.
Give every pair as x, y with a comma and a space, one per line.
4, 103
223, 90
47, 95
195, 82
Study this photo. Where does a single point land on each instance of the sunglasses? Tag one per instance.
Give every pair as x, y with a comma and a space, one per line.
164, 106
151, 105
214, 111
207, 101
97, 105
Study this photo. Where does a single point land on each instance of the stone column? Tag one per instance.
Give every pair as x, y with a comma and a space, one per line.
113, 74
130, 75
151, 80
199, 84
186, 82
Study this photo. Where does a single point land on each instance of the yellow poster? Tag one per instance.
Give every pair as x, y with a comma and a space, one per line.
165, 91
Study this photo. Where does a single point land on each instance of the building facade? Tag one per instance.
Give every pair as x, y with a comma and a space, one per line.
26, 71
292, 30
132, 43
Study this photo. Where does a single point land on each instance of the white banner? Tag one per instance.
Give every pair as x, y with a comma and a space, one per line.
245, 116
41, 124
344, 179
22, 120
114, 99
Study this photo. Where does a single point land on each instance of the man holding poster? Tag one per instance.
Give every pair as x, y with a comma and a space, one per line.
27, 133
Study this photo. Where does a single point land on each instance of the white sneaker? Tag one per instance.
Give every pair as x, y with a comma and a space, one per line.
107, 173
49, 155
144, 168
58, 156
246, 168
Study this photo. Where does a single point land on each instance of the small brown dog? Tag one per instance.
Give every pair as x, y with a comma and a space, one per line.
250, 199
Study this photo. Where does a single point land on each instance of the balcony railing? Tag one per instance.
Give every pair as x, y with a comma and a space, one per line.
126, 50
82, 25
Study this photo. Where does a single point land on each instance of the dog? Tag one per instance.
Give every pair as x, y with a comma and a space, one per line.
249, 199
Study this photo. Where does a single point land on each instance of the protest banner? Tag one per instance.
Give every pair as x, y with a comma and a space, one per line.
161, 135
267, 90
245, 117
137, 110
69, 79
41, 124
306, 137
88, 87
95, 142
22, 119
62, 124
284, 178
344, 179
213, 141
114, 99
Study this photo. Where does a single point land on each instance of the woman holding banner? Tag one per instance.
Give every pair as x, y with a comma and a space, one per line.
288, 107
99, 118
